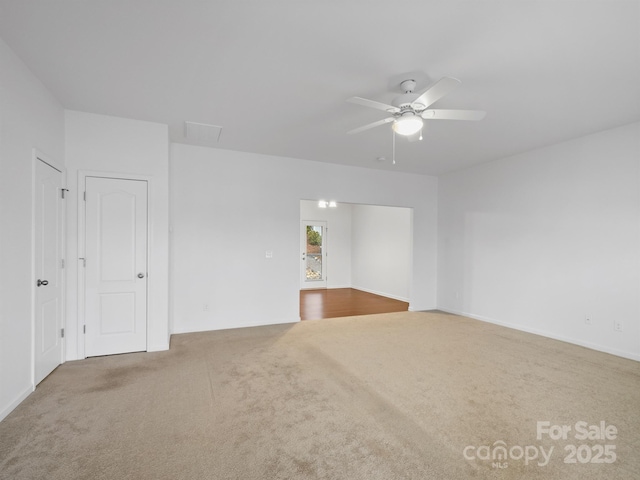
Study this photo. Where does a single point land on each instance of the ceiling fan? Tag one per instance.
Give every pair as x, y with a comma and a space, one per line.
409, 109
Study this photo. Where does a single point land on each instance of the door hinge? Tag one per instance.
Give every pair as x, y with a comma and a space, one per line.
62, 263
84, 329
84, 261
84, 196
62, 332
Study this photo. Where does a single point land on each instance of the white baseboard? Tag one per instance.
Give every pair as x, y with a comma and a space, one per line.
328, 287
178, 331
382, 294
158, 348
17, 401
413, 308
544, 333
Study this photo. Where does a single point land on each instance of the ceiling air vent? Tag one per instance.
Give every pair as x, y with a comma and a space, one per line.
202, 133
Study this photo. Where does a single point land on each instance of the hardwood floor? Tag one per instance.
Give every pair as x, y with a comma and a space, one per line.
345, 302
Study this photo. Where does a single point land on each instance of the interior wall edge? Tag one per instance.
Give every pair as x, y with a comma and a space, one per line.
421, 308
180, 331
382, 294
546, 334
17, 401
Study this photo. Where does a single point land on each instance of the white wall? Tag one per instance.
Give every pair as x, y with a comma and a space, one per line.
228, 208
110, 145
30, 117
540, 240
381, 250
337, 241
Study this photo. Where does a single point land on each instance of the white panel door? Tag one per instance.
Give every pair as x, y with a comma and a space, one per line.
48, 270
115, 266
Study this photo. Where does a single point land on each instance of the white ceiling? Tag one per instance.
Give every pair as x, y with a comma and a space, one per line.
276, 74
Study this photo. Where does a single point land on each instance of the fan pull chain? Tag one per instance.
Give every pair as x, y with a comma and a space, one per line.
393, 149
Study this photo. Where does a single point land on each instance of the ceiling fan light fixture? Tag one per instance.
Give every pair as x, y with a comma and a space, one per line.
407, 124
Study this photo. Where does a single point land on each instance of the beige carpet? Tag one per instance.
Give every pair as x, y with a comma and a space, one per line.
393, 396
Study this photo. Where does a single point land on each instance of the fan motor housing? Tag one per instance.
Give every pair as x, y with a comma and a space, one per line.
408, 86
406, 100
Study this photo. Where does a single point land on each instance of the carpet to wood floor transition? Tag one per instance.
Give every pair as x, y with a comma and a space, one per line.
408, 395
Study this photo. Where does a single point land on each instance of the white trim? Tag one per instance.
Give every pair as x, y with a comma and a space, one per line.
82, 175
382, 294
544, 333
157, 348
315, 284
16, 401
421, 309
231, 327
34, 159
39, 156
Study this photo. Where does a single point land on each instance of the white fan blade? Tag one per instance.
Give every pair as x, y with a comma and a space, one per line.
373, 104
443, 114
437, 91
371, 125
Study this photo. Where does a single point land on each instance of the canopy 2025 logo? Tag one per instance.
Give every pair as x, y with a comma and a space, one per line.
499, 454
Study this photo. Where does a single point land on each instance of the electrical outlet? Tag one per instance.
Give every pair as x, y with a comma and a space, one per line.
618, 326
205, 307
587, 320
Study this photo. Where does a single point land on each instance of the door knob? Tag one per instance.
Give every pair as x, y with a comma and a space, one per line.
42, 283
141, 275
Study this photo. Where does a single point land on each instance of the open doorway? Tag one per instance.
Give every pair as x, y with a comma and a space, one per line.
313, 262
366, 248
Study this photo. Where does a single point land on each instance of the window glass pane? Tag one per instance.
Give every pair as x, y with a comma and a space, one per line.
314, 252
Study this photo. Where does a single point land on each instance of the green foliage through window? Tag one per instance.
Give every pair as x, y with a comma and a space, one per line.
313, 237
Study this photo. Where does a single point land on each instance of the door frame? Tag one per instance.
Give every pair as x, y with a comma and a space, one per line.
304, 285
82, 175
39, 156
